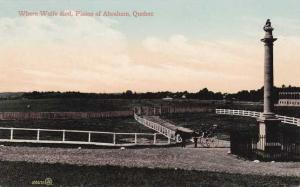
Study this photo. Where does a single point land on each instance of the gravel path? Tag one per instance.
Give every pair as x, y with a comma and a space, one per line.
210, 159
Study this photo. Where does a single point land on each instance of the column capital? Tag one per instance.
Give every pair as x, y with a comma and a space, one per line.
268, 33
268, 40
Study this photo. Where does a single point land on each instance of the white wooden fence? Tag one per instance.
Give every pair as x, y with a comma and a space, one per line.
284, 119
131, 140
170, 134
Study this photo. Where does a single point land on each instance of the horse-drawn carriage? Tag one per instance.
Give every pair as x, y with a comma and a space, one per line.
206, 137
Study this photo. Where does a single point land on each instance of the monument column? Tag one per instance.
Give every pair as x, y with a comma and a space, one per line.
268, 123
268, 70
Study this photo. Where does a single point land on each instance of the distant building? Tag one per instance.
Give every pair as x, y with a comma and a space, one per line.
167, 98
289, 98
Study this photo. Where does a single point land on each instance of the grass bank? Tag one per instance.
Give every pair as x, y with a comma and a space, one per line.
24, 174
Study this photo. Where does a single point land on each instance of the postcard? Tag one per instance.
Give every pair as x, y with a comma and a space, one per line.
149, 93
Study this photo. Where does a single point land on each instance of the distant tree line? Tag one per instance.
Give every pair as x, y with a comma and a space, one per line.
204, 94
289, 88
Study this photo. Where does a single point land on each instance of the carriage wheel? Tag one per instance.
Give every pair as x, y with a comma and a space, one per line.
207, 142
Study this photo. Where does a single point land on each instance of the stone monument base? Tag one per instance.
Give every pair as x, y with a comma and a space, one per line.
269, 134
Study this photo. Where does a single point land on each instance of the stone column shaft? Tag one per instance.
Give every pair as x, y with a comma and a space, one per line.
268, 79
268, 71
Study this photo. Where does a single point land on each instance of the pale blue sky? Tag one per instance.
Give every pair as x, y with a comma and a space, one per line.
203, 19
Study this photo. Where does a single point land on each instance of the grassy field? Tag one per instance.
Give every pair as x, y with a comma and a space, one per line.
62, 105
24, 174
225, 123
121, 124
191, 120
84, 104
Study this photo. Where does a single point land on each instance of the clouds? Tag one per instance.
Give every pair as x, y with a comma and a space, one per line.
57, 29
227, 65
89, 54
196, 53
212, 63
59, 53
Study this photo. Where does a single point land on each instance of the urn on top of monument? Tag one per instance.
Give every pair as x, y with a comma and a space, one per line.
268, 29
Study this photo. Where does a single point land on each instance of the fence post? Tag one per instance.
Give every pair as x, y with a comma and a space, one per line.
38, 135
114, 138
135, 138
89, 136
64, 135
169, 140
154, 138
11, 133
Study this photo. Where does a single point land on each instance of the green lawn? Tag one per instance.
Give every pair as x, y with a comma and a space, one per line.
62, 105
205, 120
120, 124
91, 104
24, 174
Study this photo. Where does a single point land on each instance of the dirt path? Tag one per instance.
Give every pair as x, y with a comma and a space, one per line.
210, 159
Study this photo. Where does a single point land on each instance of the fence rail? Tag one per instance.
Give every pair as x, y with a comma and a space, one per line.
89, 139
284, 119
170, 134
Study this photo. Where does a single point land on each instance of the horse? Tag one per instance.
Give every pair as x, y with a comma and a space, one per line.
207, 135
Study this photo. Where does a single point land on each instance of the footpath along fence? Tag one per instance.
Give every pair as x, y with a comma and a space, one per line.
57, 136
284, 119
168, 130
169, 133
62, 115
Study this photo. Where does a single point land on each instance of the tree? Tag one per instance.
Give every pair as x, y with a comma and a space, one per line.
128, 92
